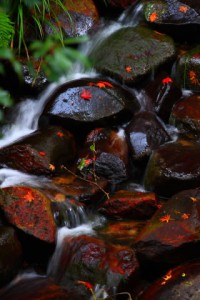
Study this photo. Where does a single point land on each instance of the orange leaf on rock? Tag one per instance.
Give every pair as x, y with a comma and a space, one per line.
104, 84
185, 216
183, 8
153, 17
51, 167
128, 69
166, 218
86, 95
29, 197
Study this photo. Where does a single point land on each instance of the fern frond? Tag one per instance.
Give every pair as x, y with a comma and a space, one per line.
6, 29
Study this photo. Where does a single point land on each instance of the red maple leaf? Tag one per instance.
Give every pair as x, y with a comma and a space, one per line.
42, 153
128, 69
167, 80
185, 216
166, 218
104, 84
60, 134
29, 197
86, 95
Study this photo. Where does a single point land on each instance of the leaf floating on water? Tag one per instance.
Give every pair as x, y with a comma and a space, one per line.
86, 95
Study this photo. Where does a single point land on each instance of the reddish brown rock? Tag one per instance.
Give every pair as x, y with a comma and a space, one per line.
92, 260
29, 210
122, 232
10, 254
145, 134
176, 284
173, 167
173, 234
40, 288
87, 192
163, 92
41, 152
185, 116
105, 154
133, 205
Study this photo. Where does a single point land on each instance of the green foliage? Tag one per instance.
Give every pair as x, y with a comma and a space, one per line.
6, 29
56, 57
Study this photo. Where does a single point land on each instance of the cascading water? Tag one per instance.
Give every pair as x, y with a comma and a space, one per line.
26, 121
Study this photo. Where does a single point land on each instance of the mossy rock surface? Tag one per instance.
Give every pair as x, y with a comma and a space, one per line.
131, 53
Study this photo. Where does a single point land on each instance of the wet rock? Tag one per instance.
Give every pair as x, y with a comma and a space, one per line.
10, 254
185, 116
145, 134
79, 189
187, 69
91, 259
163, 92
132, 205
172, 234
41, 152
78, 20
29, 210
173, 167
121, 232
180, 18
87, 103
37, 287
131, 53
105, 154
177, 284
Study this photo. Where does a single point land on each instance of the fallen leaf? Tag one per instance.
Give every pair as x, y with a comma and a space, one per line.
60, 134
193, 199
29, 197
52, 167
167, 80
166, 218
60, 197
183, 8
86, 95
153, 17
193, 77
42, 153
128, 69
185, 216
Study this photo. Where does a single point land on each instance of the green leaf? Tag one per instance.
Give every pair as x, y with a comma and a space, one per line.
6, 29
92, 147
5, 99
81, 164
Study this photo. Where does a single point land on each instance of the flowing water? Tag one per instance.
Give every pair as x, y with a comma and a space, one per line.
76, 221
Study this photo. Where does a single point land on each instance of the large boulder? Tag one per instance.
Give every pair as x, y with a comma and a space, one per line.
172, 234
87, 103
130, 53
175, 166
41, 152
176, 284
29, 210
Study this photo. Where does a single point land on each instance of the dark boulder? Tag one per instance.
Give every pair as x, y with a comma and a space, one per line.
145, 134
41, 152
175, 166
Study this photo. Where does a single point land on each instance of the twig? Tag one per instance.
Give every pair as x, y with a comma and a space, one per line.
87, 180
